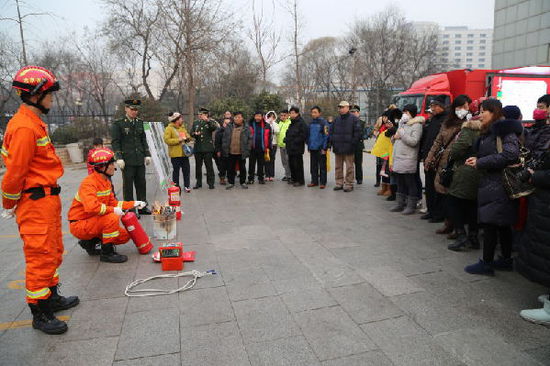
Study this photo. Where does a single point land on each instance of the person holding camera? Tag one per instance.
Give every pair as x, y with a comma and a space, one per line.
533, 261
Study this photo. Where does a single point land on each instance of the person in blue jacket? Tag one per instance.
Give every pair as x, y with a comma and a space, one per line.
317, 146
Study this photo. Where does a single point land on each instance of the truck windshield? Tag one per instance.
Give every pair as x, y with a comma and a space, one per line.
404, 99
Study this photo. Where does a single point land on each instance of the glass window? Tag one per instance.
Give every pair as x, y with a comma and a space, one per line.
469, 54
468, 60
470, 41
469, 48
483, 35
482, 41
458, 35
482, 47
457, 60
470, 36
469, 66
403, 100
458, 42
482, 53
481, 65
445, 42
458, 48
445, 48
445, 36
481, 60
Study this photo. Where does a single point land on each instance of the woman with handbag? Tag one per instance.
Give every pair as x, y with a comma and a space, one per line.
438, 156
496, 149
176, 137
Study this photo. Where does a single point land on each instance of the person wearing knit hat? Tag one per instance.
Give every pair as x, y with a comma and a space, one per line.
175, 135
512, 112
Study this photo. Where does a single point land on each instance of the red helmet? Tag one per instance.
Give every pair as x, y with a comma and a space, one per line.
101, 156
34, 80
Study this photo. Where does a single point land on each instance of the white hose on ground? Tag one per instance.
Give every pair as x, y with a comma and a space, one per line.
132, 292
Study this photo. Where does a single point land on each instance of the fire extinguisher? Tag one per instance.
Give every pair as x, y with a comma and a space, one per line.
174, 200
138, 235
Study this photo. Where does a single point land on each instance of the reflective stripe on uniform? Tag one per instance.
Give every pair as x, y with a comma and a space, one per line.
103, 193
36, 294
114, 234
56, 274
11, 196
43, 141
120, 204
77, 197
4, 151
103, 209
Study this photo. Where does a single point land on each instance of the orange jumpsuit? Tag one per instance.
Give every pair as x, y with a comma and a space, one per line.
31, 162
92, 212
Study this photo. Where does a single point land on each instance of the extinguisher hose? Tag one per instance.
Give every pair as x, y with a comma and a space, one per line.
132, 292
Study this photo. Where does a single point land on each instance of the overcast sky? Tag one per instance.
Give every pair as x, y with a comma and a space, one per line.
320, 17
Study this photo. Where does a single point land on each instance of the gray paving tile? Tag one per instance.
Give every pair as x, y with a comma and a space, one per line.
152, 303
163, 360
364, 303
96, 318
108, 283
205, 306
332, 333
307, 299
24, 346
213, 344
248, 284
483, 347
83, 352
149, 334
389, 281
264, 319
375, 358
541, 354
292, 351
405, 343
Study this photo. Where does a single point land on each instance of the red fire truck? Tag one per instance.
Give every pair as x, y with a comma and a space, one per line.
519, 86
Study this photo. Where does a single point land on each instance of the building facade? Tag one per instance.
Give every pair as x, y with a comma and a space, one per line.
522, 33
463, 48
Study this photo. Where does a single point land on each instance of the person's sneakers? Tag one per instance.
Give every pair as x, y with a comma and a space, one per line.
144, 211
348, 189
538, 316
503, 264
460, 243
285, 179
197, 186
250, 181
211, 186
312, 185
187, 190
359, 182
338, 188
109, 254
58, 302
244, 186
480, 268
44, 320
322, 186
426, 216
229, 186
90, 246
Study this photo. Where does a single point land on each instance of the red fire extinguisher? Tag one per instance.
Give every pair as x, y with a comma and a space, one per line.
174, 200
138, 235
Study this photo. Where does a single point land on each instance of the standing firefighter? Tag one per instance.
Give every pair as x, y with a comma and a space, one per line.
94, 213
131, 152
30, 191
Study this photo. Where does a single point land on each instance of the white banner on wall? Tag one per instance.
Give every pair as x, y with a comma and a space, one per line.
154, 132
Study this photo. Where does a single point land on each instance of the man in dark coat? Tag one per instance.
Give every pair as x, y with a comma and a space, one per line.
220, 159
431, 130
261, 134
344, 136
235, 147
358, 154
132, 152
204, 147
295, 140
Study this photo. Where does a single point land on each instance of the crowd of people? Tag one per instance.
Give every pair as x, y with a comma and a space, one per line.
230, 143
483, 169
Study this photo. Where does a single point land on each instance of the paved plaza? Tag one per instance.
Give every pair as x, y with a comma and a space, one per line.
305, 277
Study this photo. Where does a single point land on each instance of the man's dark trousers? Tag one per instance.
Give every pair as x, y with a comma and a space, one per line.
256, 159
358, 160
134, 175
318, 167
232, 161
433, 199
205, 157
296, 163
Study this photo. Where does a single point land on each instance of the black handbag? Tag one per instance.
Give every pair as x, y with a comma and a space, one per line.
515, 187
446, 174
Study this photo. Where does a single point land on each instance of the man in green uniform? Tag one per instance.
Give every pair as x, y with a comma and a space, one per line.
204, 147
131, 152
360, 146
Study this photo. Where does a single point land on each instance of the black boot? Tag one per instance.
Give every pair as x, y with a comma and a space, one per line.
91, 246
58, 302
44, 320
473, 236
461, 241
108, 254
393, 190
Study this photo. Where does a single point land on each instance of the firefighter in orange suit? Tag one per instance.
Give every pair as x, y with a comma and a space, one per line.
95, 212
31, 193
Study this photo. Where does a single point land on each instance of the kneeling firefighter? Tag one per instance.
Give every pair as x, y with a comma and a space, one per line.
94, 213
31, 193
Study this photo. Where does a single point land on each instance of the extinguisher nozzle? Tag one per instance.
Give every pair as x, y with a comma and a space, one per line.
211, 271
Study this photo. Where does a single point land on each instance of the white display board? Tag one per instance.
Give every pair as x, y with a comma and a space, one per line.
524, 94
154, 132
